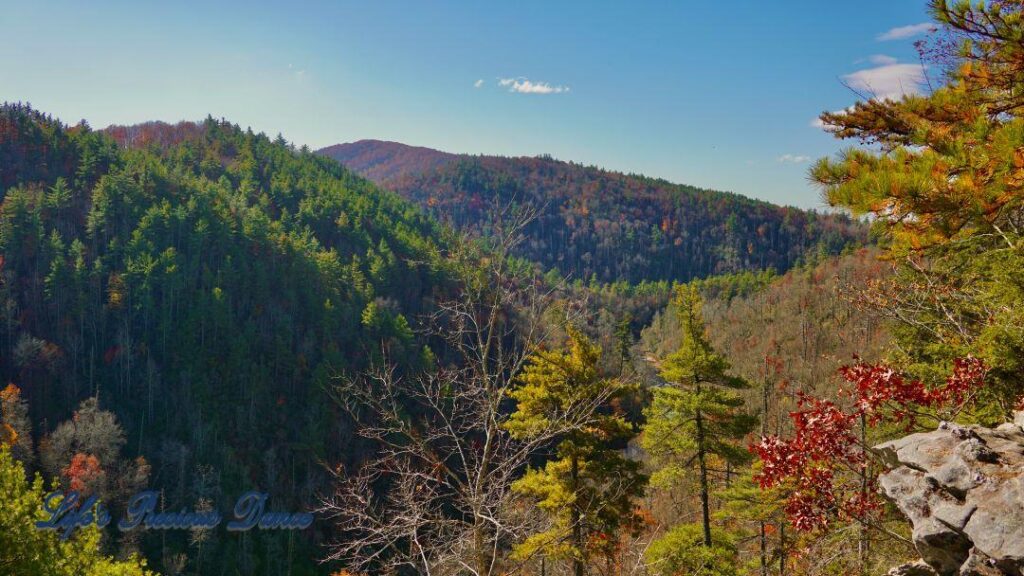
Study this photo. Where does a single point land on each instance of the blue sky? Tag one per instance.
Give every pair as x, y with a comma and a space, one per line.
715, 94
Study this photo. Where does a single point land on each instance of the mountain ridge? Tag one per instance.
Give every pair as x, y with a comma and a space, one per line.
599, 224
369, 157
376, 159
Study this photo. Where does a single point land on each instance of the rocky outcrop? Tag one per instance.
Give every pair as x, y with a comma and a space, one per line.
963, 490
918, 568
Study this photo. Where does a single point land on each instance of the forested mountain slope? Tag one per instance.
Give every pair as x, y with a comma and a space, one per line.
787, 338
205, 283
384, 162
805, 323
597, 223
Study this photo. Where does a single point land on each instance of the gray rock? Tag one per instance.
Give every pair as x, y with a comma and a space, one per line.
918, 568
979, 565
962, 488
1018, 419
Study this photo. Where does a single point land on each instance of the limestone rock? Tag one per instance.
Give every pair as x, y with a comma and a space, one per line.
962, 488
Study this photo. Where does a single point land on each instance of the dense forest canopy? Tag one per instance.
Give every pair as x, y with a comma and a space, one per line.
172, 292
205, 285
519, 365
607, 225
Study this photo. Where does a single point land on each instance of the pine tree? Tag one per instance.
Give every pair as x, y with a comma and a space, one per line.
943, 179
587, 490
697, 416
745, 502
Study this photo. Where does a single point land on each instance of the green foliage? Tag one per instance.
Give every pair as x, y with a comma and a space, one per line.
25, 549
681, 550
697, 416
588, 489
944, 185
699, 408
744, 501
725, 287
206, 283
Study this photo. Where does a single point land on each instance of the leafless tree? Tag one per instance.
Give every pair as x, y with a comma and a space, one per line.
438, 497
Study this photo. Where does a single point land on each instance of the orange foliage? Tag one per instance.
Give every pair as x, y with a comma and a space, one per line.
82, 472
8, 435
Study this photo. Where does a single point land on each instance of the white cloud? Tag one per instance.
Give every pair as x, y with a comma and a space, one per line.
478, 83
524, 86
882, 60
888, 81
793, 159
904, 32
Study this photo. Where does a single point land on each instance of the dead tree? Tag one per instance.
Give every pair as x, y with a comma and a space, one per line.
437, 498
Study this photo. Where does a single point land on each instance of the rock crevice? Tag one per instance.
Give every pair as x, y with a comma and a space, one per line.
962, 488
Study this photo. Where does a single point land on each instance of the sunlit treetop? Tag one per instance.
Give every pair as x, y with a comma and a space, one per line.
949, 164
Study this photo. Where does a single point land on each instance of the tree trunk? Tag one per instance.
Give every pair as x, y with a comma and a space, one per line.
478, 543
764, 550
577, 529
763, 535
705, 506
782, 548
862, 543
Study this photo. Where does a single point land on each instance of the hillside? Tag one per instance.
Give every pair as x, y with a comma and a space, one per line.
597, 223
805, 320
205, 284
384, 162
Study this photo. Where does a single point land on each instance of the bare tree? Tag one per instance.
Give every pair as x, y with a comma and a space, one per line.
437, 498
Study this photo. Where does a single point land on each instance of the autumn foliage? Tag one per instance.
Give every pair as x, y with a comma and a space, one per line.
83, 472
828, 440
602, 224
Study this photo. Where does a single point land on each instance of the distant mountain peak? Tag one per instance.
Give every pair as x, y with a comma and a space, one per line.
383, 161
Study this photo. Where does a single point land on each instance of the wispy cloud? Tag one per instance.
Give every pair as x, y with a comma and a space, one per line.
904, 32
525, 86
478, 83
889, 81
793, 159
882, 60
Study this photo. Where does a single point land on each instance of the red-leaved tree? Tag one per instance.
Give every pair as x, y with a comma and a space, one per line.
824, 462
84, 473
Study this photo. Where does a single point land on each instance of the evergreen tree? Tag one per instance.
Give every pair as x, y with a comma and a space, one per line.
684, 550
587, 490
943, 180
697, 416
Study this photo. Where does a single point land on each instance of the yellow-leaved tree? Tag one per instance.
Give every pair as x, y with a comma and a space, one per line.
26, 550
